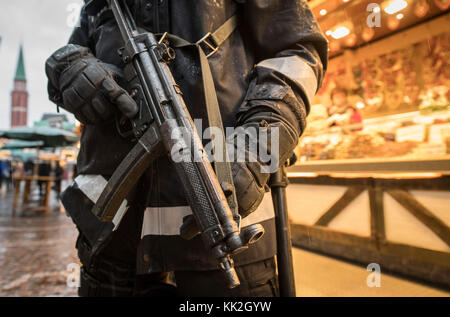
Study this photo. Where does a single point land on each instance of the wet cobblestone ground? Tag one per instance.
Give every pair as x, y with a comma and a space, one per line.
35, 251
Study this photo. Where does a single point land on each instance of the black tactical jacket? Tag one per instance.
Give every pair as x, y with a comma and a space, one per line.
278, 53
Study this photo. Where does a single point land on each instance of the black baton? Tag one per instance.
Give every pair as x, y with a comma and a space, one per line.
278, 184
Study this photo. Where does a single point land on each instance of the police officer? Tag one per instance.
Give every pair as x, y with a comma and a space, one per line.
266, 69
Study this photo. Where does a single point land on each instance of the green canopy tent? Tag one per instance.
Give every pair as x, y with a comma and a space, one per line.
20, 144
19, 155
16, 146
50, 137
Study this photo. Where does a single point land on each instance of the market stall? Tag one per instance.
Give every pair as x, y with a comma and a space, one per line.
372, 181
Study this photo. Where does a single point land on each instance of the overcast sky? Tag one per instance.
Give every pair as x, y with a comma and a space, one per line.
42, 26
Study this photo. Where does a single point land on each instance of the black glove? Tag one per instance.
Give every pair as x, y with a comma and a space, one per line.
251, 177
86, 87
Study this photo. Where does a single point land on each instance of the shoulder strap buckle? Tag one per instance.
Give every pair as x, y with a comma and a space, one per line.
209, 43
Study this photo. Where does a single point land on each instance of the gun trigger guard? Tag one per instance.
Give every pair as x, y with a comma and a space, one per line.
124, 134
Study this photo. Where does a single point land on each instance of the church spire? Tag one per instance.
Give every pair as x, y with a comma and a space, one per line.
19, 96
20, 70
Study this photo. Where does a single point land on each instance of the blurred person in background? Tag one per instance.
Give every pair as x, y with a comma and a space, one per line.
341, 112
43, 171
8, 174
57, 172
29, 167
2, 168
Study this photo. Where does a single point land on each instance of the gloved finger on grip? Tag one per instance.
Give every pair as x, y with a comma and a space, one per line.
249, 193
127, 105
119, 97
102, 106
258, 172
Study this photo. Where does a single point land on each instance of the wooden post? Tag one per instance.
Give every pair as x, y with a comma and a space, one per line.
26, 192
377, 228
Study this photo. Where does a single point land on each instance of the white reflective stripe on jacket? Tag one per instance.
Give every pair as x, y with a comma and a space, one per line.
297, 70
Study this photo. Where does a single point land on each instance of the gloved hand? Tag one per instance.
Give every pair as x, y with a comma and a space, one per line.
263, 156
86, 87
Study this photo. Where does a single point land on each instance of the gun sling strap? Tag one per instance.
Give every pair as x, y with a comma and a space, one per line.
207, 47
